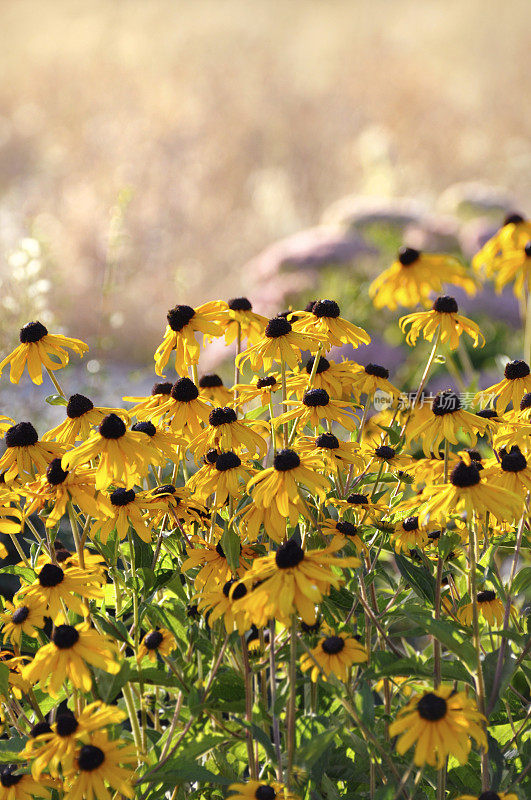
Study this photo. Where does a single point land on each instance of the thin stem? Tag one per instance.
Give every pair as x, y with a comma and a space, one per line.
273, 693
55, 382
292, 697
480, 683
248, 678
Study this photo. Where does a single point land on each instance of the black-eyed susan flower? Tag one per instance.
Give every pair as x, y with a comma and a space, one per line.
489, 795
515, 384
367, 380
145, 405
512, 471
128, 509
467, 491
241, 317
324, 320
177, 503
57, 487
214, 567
447, 419
38, 349
255, 517
21, 786
25, 455
332, 451
17, 683
439, 723
280, 342
359, 506
335, 654
10, 515
343, 532
67, 655
226, 432
56, 586
97, 763
55, 748
316, 409
261, 388
212, 389
410, 533
514, 233
159, 641
333, 378
414, 276
260, 790
122, 455
490, 608
515, 266
81, 417
21, 617
291, 580
383, 455
183, 323
218, 602
443, 317
227, 478
185, 412
165, 445
278, 485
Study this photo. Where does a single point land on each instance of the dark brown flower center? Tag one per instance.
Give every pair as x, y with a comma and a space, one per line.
261, 383
184, 390
385, 452
221, 416
289, 555
377, 371
20, 615
145, 427
65, 636
7, 779
487, 413
333, 645
286, 460
511, 219
112, 427
446, 305
516, 369
347, 528
161, 388
408, 256
40, 728
464, 475
326, 308
179, 316
210, 381
327, 440
90, 758
525, 402
527, 249
489, 795
513, 461
278, 326
67, 724
55, 474
51, 575
78, 405
153, 640
445, 403
122, 497
239, 304
228, 460
358, 499
168, 488
486, 596
322, 365
21, 435
411, 524
265, 792
316, 397
431, 707
32, 332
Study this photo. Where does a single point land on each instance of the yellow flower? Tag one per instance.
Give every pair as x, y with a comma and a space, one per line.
261, 388
218, 602
156, 641
440, 723
10, 516
183, 322
291, 580
212, 390
21, 618
281, 342
81, 417
227, 432
96, 763
335, 654
57, 487
324, 321
514, 233
253, 517
490, 608
164, 444
359, 506
317, 408
366, 380
227, 478
409, 533
278, 485
414, 276
343, 532
385, 455
334, 378
55, 586
185, 411
214, 567
128, 509
25, 454
145, 405
330, 450
21, 787
260, 790
443, 317
240, 316
489, 795
515, 384
39, 348
446, 420
512, 471
66, 657
123, 455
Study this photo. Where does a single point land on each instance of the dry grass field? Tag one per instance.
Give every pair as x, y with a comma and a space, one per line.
152, 147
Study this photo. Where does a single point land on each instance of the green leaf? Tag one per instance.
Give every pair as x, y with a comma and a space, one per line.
109, 686
490, 664
230, 542
256, 412
179, 771
446, 633
421, 581
56, 400
4, 680
10, 748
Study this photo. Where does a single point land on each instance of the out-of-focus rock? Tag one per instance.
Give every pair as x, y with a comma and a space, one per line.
314, 248
473, 198
356, 213
433, 233
474, 233
502, 307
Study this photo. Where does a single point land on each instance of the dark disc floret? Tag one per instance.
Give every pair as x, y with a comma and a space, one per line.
513, 461
327, 440
90, 758
431, 707
527, 249
161, 388
112, 427
408, 256
78, 405
516, 369
62, 555
486, 596
153, 640
385, 452
434, 535
316, 397
525, 402
240, 589
122, 497
179, 316
289, 554
51, 575
411, 524
278, 326
20, 615
512, 219
333, 645
212, 381
39, 728
228, 460
168, 488
305, 628
377, 370
55, 474
489, 795
286, 460
356, 499
269, 380
265, 792
65, 636
322, 365
487, 413
326, 308
446, 402
346, 528
446, 305
145, 427
211, 456
7, 778
23, 434
222, 416
67, 724
464, 475
184, 390
32, 332
240, 304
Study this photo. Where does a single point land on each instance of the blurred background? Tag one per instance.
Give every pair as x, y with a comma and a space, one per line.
155, 152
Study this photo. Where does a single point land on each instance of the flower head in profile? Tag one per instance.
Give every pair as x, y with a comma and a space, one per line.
21, 786
227, 478
218, 601
278, 485
280, 342
366, 380
316, 409
213, 390
226, 432
409, 533
242, 321
414, 276
446, 421
443, 317
513, 235
183, 409
261, 388
439, 723
324, 320
25, 455
81, 417
180, 335
334, 378
144, 406
490, 608
343, 533
515, 384
127, 510
56, 586
213, 564
333, 452
335, 654
57, 487
38, 349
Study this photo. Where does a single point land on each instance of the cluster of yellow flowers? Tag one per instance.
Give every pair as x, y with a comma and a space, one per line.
247, 515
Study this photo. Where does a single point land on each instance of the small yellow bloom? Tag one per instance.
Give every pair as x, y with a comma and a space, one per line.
444, 318
38, 349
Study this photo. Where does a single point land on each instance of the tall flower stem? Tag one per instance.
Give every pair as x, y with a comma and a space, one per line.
238, 351
424, 378
248, 678
273, 693
284, 396
480, 683
55, 382
292, 697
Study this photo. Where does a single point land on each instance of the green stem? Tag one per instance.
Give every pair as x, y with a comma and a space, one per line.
480, 683
55, 382
292, 698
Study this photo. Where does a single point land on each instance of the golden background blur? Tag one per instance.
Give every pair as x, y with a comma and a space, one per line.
149, 149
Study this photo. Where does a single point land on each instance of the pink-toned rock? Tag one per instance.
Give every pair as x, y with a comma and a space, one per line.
473, 198
435, 232
474, 233
355, 212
